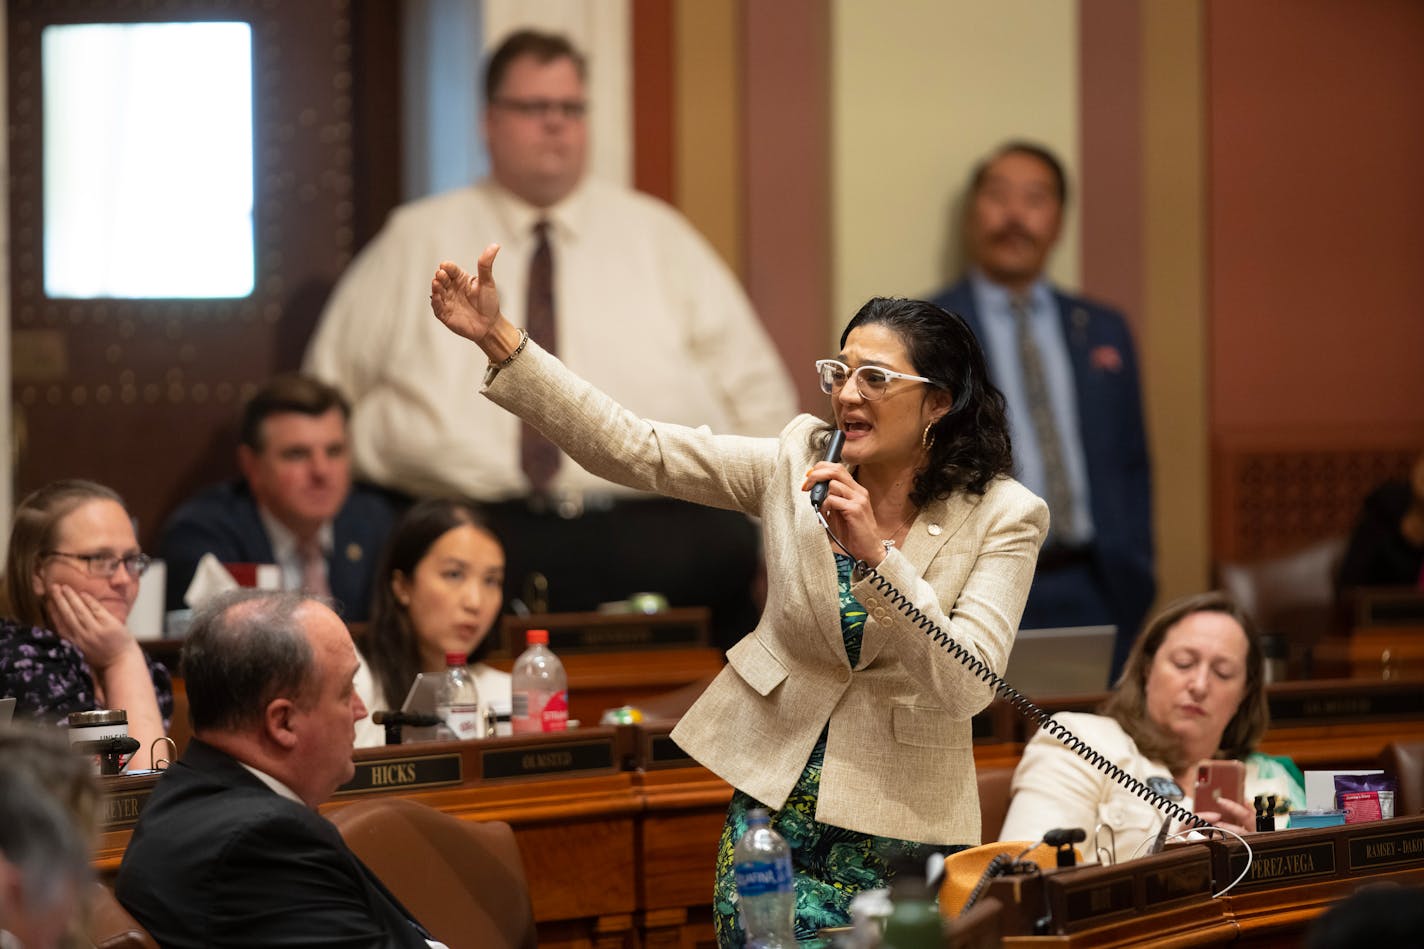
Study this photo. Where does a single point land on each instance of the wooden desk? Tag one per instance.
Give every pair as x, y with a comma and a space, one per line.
622, 851
1294, 877
577, 829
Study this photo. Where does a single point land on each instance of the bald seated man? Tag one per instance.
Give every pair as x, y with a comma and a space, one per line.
230, 849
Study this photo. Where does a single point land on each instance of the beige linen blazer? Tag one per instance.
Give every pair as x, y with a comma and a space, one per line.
899, 760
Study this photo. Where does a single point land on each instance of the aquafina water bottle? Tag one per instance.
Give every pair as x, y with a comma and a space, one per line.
765, 893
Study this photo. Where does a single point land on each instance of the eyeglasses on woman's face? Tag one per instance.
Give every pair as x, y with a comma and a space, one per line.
105, 564
870, 381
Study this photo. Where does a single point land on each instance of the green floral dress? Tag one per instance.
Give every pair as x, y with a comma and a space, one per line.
831, 864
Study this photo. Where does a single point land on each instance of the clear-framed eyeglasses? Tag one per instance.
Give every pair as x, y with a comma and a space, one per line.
106, 565
870, 381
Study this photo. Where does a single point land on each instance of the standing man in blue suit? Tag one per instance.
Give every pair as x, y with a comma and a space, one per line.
294, 506
1068, 369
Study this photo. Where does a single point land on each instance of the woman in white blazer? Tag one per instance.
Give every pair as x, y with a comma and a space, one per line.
837, 712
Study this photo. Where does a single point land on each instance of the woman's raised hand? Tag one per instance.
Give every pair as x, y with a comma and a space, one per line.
468, 305
99, 635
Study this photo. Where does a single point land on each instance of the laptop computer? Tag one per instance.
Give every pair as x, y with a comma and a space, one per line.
1072, 660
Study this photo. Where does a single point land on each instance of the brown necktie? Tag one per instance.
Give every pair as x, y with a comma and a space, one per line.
1057, 490
537, 455
314, 580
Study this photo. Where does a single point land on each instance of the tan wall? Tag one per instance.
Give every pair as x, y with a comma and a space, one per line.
1172, 328
921, 89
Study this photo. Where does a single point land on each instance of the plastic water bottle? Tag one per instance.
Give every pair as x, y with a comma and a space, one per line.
459, 703
539, 687
766, 894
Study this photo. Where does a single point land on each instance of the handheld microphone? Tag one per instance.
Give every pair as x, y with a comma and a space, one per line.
833, 454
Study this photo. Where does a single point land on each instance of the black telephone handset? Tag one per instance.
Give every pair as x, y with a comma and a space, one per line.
833, 455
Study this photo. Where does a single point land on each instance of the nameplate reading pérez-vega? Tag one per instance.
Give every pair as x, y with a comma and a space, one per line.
122, 809
1377, 851
403, 774
1274, 865
563, 758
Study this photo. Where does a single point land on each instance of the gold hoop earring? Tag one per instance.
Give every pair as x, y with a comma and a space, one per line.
927, 437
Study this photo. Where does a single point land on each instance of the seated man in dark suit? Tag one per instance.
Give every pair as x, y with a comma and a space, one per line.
230, 850
294, 505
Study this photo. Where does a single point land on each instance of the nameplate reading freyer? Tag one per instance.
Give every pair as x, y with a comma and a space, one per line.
121, 810
403, 774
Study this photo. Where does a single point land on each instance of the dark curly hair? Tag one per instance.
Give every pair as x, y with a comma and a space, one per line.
971, 441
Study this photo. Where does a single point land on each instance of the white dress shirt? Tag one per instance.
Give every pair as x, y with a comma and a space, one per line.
645, 309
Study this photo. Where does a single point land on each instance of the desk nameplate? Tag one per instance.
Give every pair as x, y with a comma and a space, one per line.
1363, 703
1092, 904
1381, 851
1276, 866
121, 809
575, 633
405, 773
1092, 896
593, 754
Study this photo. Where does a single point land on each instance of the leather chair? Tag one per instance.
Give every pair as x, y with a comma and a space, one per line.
1405, 760
994, 794
463, 880
111, 927
1291, 596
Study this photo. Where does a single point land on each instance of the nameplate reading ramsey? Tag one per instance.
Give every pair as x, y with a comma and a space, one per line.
556, 759
1284, 864
1377, 851
403, 774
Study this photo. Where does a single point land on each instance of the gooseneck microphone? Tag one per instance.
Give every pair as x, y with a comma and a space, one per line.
833, 455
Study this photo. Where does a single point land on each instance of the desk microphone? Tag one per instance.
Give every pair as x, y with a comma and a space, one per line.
833, 455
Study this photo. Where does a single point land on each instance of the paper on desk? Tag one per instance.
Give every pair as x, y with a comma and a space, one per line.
1320, 786
210, 579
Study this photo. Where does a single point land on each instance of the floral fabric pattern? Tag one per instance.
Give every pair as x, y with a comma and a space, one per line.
831, 864
48, 677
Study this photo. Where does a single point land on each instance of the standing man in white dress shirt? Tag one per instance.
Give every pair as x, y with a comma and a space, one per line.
683, 345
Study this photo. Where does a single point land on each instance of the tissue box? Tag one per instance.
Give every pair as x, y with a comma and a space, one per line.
1316, 818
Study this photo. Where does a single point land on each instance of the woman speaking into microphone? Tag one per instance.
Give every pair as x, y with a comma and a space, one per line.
837, 712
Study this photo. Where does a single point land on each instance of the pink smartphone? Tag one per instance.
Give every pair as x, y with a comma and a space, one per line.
1218, 779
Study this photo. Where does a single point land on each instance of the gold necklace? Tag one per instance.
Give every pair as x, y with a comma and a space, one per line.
890, 541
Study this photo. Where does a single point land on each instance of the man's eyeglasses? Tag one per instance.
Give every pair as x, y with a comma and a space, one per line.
570, 109
106, 565
870, 381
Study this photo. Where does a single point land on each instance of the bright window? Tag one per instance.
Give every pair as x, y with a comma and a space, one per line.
148, 160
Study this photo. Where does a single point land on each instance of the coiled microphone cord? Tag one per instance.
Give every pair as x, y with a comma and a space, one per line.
1018, 700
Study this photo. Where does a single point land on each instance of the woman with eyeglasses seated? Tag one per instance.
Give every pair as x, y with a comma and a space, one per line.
1192, 690
438, 590
71, 578
838, 712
